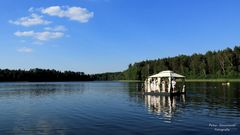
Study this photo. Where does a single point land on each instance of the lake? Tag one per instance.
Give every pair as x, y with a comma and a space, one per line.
93, 108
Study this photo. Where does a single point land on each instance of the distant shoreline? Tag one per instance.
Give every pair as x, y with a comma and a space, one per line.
187, 80
193, 80
128, 80
212, 80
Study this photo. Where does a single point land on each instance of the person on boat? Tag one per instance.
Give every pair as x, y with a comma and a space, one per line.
163, 86
146, 84
156, 85
152, 85
174, 85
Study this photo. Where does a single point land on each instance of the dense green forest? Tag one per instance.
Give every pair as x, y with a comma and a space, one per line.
39, 75
213, 64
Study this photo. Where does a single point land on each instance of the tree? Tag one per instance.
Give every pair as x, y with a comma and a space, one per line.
213, 64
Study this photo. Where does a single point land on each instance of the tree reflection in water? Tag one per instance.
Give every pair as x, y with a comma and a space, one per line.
41, 88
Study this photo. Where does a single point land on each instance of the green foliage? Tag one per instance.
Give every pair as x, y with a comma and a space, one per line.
108, 76
39, 75
213, 64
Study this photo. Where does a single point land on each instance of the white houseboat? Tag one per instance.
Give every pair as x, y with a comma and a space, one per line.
165, 82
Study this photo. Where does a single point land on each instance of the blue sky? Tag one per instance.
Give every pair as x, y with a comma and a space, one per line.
97, 36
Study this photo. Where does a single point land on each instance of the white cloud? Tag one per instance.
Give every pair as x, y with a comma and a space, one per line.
25, 50
73, 13
46, 35
31, 9
31, 20
24, 33
56, 28
54, 11
41, 36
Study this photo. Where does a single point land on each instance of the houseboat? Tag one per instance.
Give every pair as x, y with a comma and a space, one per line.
165, 83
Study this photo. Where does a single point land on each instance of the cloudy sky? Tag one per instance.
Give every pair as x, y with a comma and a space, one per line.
97, 36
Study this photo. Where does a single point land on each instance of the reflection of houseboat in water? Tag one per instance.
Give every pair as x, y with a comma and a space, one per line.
165, 83
165, 105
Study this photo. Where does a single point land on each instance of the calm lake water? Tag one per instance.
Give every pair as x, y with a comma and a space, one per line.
93, 108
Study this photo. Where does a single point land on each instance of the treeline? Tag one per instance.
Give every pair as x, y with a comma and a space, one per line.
109, 76
213, 64
40, 75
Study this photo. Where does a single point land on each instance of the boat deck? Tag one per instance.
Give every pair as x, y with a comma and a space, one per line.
164, 93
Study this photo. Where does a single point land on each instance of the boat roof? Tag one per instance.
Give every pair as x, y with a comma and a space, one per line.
167, 73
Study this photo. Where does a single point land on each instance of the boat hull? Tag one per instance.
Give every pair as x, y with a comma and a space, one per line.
164, 93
